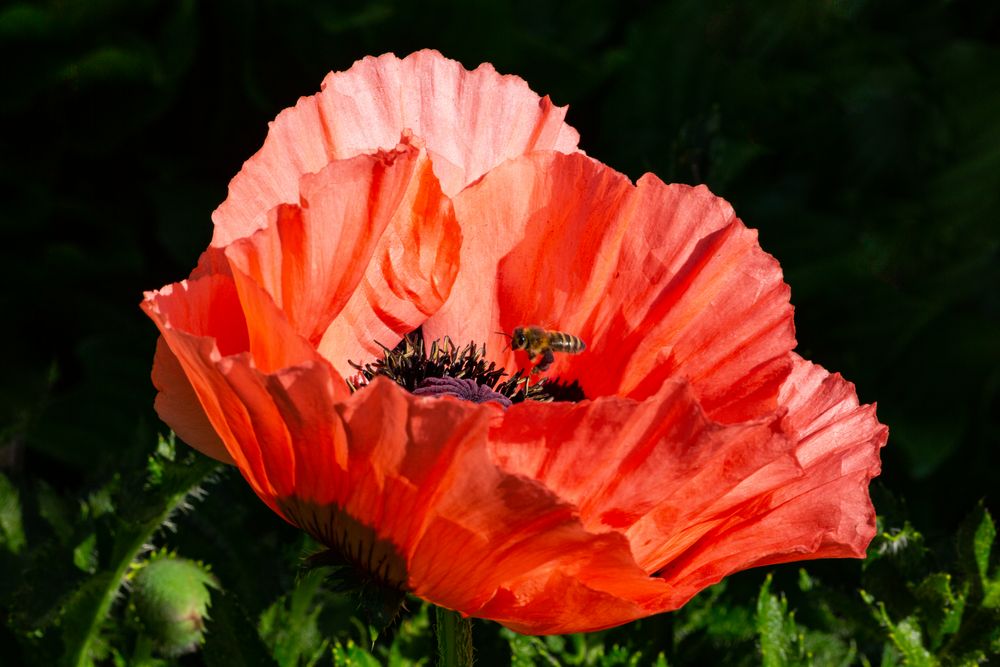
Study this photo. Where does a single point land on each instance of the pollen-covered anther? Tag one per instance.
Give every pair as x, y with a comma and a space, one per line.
465, 389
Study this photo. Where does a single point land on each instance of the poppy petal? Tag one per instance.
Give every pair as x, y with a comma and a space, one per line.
215, 355
693, 295
470, 121
201, 321
824, 511
177, 404
357, 213
659, 280
409, 276
509, 211
584, 591
664, 471
420, 476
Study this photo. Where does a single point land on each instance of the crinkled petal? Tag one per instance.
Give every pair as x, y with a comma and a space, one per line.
215, 355
659, 280
663, 472
201, 322
824, 511
591, 590
177, 405
470, 121
371, 248
465, 533
409, 276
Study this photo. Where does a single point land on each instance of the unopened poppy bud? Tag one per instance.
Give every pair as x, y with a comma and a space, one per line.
171, 597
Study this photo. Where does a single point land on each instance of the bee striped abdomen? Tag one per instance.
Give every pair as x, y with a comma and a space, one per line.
564, 342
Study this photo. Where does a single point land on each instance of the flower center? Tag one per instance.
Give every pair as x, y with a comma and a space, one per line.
445, 369
464, 389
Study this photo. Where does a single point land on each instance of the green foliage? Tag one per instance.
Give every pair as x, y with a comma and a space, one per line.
232, 638
11, 529
781, 641
937, 613
290, 626
73, 578
585, 650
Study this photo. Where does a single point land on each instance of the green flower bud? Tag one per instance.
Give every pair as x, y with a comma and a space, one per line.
171, 596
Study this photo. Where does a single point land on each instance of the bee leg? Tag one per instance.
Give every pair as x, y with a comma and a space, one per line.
547, 358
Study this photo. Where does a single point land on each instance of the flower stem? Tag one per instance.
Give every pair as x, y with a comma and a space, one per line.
454, 639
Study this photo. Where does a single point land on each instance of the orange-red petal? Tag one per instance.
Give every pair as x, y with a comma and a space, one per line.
177, 404
470, 121
419, 473
823, 511
659, 455
370, 249
660, 281
218, 356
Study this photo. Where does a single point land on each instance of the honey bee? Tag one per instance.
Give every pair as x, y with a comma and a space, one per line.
539, 342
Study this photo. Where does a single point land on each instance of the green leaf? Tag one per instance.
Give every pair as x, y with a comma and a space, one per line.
85, 554
905, 635
352, 655
708, 613
781, 642
146, 505
11, 527
231, 638
55, 511
975, 543
940, 607
290, 625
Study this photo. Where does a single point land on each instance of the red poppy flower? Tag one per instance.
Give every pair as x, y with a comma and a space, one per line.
414, 196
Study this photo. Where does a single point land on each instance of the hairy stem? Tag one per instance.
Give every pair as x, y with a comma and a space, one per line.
454, 639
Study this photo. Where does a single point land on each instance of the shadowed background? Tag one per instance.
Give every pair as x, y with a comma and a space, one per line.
861, 139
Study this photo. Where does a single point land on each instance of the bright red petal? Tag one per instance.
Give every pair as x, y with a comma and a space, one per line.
201, 321
371, 249
420, 476
218, 355
518, 210
581, 591
660, 281
470, 121
660, 455
177, 404
823, 512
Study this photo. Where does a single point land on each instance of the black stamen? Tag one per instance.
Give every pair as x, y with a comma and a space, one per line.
412, 365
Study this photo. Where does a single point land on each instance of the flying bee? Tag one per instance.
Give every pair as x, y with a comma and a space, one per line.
539, 342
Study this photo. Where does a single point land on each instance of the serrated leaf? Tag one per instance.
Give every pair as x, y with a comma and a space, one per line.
976, 537
905, 636
977, 534
823, 648
940, 607
145, 508
779, 636
708, 613
289, 626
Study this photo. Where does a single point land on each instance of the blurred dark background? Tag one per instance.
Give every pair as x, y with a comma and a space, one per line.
861, 138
